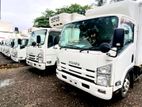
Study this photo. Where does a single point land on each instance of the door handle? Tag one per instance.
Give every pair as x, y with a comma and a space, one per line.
132, 58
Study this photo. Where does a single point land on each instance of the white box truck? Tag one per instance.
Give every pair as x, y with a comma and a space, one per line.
102, 54
7, 47
44, 42
6, 32
18, 51
41, 51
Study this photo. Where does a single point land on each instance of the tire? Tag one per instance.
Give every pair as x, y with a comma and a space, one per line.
125, 88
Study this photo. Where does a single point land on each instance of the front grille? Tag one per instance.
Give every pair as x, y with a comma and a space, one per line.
79, 72
86, 79
32, 58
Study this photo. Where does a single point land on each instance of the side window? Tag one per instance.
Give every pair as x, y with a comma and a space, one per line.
128, 26
53, 38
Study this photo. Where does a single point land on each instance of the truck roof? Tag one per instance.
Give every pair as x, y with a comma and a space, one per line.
49, 29
5, 26
127, 8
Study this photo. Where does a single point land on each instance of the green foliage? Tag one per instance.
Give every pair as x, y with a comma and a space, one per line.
43, 21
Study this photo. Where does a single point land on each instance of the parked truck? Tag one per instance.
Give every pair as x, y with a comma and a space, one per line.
6, 32
41, 51
109, 62
18, 51
43, 48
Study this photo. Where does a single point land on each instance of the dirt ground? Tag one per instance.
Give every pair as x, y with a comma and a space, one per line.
25, 86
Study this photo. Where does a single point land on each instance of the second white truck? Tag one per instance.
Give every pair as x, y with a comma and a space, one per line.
42, 50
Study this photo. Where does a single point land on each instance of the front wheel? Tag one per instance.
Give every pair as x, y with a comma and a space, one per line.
125, 88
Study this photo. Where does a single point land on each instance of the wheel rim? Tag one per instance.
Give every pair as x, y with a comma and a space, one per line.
126, 86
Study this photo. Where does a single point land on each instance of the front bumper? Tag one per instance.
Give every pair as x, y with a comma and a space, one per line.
17, 59
92, 88
37, 65
14, 59
7, 54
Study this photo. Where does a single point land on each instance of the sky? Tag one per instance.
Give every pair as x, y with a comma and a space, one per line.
21, 13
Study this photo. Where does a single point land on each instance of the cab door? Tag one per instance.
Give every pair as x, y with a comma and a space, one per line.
126, 56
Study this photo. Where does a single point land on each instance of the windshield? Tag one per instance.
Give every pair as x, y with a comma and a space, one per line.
15, 43
41, 33
8, 42
24, 42
88, 33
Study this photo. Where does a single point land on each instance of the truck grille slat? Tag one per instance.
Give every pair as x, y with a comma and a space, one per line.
32, 58
78, 76
79, 72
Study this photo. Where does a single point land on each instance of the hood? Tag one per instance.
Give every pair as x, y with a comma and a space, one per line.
34, 50
85, 59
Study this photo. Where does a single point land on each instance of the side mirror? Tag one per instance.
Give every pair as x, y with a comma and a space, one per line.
118, 37
16, 29
12, 44
19, 41
38, 39
105, 47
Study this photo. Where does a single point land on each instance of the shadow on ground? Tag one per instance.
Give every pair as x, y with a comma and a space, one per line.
49, 71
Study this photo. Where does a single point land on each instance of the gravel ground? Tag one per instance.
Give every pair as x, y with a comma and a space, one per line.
5, 59
29, 87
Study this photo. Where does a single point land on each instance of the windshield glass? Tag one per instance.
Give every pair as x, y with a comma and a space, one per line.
15, 43
88, 33
41, 33
24, 42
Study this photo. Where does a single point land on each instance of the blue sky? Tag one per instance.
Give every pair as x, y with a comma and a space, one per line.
21, 13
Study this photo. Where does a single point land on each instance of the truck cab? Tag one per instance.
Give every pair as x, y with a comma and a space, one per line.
108, 62
7, 48
18, 51
42, 48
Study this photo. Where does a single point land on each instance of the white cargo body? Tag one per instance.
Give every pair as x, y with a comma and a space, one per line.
111, 63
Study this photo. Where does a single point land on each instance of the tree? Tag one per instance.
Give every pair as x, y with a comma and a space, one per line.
73, 8
43, 21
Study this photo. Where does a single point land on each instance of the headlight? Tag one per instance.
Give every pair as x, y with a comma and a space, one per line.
40, 57
104, 75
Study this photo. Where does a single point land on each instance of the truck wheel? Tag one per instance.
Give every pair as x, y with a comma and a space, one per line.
125, 88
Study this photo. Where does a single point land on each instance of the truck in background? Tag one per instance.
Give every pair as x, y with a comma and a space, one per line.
6, 33
43, 48
41, 52
108, 62
19, 46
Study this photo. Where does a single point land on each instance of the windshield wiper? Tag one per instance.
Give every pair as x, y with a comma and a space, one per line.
70, 47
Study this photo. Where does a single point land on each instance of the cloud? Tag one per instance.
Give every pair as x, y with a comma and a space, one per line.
23, 12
